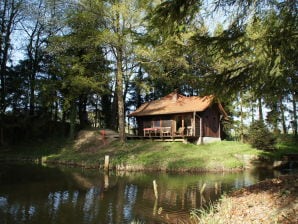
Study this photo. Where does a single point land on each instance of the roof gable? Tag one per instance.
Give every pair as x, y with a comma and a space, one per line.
174, 103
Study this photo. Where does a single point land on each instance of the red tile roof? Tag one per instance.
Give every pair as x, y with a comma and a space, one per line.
174, 103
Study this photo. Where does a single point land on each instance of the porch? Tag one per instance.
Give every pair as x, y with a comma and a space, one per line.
167, 132
161, 138
169, 126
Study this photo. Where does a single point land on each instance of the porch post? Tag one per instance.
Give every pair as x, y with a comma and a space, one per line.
194, 124
201, 130
219, 129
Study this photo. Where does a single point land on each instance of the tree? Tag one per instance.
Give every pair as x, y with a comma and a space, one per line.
10, 15
122, 20
260, 137
232, 70
81, 65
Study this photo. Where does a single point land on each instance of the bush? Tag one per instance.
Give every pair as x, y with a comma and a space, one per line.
260, 137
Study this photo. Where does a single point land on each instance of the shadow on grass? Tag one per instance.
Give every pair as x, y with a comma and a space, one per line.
285, 152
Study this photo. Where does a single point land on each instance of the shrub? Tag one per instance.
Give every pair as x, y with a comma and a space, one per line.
260, 137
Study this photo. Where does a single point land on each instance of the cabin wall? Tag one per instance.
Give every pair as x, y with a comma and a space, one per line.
211, 119
140, 124
197, 126
210, 122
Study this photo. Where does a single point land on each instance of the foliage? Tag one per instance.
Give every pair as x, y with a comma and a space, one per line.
104, 58
260, 137
285, 144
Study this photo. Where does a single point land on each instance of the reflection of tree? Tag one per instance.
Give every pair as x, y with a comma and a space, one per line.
130, 195
83, 196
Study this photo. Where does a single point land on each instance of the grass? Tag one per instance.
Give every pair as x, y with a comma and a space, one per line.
285, 144
210, 215
271, 200
150, 155
179, 156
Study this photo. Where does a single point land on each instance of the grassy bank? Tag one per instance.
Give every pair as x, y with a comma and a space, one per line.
269, 201
89, 150
182, 157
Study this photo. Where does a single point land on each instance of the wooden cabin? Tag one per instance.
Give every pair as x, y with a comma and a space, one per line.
177, 116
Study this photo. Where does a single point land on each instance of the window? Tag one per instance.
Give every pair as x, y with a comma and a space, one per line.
147, 124
187, 121
156, 123
166, 123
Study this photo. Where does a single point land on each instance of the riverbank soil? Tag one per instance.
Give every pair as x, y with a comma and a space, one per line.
91, 141
269, 201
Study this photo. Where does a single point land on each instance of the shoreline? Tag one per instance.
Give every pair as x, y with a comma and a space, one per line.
269, 201
121, 167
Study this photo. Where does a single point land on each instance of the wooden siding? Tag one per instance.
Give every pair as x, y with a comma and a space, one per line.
211, 121
197, 125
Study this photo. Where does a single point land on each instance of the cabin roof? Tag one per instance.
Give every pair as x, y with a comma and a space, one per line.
174, 103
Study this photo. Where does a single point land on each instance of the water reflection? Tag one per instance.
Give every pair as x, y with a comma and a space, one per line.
34, 194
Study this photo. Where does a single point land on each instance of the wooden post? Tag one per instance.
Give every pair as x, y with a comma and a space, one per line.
201, 130
155, 189
216, 188
106, 181
194, 124
107, 160
155, 207
203, 188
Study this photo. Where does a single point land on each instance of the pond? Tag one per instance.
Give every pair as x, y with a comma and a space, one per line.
38, 194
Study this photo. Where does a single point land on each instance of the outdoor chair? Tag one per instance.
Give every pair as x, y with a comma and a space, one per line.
180, 131
166, 131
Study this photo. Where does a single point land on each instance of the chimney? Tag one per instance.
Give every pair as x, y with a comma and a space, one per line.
175, 95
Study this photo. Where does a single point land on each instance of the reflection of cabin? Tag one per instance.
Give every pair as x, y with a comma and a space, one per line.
177, 116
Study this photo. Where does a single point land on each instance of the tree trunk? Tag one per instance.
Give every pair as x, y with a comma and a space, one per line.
32, 95
83, 115
241, 120
252, 105
96, 115
9, 11
56, 111
295, 121
283, 119
119, 90
73, 114
119, 80
261, 118
108, 115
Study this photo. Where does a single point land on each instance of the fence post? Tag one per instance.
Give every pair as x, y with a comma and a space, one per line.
107, 161
155, 189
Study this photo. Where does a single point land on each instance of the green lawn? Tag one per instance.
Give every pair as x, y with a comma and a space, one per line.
147, 154
176, 156
285, 144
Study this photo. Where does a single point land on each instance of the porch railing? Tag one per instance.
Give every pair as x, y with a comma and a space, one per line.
167, 132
